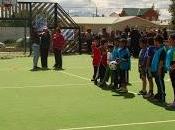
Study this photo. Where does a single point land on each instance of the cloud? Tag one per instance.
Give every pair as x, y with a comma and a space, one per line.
108, 6
73, 3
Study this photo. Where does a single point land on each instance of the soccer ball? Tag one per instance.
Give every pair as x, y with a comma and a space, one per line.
113, 65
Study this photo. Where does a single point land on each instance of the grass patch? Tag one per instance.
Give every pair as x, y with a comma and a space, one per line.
52, 100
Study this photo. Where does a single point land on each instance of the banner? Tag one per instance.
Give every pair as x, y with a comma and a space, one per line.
40, 23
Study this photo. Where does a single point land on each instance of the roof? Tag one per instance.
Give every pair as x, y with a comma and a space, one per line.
135, 11
111, 20
114, 14
162, 23
100, 20
44, 1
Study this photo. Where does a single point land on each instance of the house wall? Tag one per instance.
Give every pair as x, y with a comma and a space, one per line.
96, 28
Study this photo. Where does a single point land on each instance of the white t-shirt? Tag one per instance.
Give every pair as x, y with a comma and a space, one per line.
109, 57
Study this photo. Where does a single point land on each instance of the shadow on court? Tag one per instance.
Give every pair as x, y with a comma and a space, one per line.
125, 95
45, 69
160, 104
169, 108
128, 95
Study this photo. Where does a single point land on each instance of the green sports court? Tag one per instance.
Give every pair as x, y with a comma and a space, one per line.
57, 99
67, 100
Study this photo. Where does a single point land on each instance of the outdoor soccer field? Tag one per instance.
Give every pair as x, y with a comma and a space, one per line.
67, 100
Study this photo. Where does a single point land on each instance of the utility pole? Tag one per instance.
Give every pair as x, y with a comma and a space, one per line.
89, 4
96, 8
96, 11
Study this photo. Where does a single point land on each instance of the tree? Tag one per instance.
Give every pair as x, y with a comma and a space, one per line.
172, 11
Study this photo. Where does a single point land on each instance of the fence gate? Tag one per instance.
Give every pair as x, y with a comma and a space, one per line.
49, 13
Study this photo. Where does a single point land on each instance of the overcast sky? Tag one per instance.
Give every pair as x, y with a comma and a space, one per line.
108, 6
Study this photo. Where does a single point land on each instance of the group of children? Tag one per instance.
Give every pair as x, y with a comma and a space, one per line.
103, 53
156, 58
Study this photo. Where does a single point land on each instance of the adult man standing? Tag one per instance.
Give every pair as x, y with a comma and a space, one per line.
105, 35
58, 46
44, 47
35, 38
89, 39
135, 37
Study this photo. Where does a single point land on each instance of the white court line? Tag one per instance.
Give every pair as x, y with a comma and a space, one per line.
46, 86
69, 74
80, 77
74, 75
119, 125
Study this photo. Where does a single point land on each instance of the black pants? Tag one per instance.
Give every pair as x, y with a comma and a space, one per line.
102, 71
116, 78
89, 44
127, 76
44, 55
58, 58
172, 76
95, 72
159, 79
121, 77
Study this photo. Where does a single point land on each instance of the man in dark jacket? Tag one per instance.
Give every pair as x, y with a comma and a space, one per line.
44, 47
89, 38
135, 37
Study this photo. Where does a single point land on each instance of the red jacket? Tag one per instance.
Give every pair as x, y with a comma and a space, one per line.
58, 40
104, 56
96, 55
